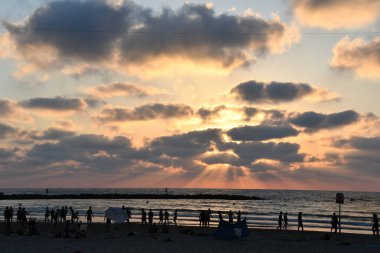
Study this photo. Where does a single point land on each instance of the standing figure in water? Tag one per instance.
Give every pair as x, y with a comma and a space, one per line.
89, 215
175, 216
300, 221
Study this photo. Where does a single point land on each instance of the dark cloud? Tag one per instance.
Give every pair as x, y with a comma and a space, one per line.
55, 104
6, 130
273, 92
93, 102
55, 134
6, 154
261, 132
145, 112
122, 89
98, 30
360, 143
186, 145
313, 121
209, 113
282, 151
221, 158
249, 112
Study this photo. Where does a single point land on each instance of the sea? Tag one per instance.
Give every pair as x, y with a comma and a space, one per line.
316, 206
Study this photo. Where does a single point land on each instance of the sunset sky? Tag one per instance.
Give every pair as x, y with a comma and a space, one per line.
254, 94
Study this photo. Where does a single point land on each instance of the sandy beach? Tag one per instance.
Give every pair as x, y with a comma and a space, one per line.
135, 238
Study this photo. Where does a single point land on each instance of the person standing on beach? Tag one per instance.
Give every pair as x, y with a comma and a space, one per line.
375, 226
161, 216
285, 221
208, 217
220, 215
300, 221
279, 227
143, 216
166, 217
12, 212
175, 216
230, 217
89, 215
52, 215
238, 216
334, 223
150, 217
47, 214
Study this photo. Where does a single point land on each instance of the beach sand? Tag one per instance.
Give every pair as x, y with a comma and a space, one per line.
134, 238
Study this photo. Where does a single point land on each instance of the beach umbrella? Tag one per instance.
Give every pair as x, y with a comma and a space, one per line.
116, 214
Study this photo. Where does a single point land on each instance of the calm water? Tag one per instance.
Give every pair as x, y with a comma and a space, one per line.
316, 206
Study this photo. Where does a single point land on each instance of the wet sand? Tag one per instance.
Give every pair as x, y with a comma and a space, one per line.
134, 238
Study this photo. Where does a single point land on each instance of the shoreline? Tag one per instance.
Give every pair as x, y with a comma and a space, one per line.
127, 196
134, 237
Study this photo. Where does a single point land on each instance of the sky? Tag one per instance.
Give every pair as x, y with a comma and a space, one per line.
278, 94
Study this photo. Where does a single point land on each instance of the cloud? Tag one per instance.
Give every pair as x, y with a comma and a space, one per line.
209, 113
129, 34
360, 143
282, 151
6, 130
61, 104
122, 90
261, 132
335, 14
55, 134
275, 92
313, 121
54, 104
360, 56
145, 112
10, 109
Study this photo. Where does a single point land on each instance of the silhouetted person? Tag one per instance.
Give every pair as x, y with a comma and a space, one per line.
129, 214
143, 216
300, 221
71, 214
166, 214
175, 216
202, 218
238, 216
279, 227
334, 223
220, 215
230, 217
47, 214
150, 217
285, 221
89, 215
52, 214
375, 226
161, 216
11, 212
208, 217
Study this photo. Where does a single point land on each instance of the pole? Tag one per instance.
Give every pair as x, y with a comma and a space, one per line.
340, 229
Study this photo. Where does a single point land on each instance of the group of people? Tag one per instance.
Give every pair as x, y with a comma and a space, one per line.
61, 215
283, 221
162, 216
20, 215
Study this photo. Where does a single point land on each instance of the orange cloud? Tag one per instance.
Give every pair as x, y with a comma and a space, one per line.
360, 56
335, 14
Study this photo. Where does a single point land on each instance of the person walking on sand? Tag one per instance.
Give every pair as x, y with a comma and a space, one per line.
300, 221
166, 214
150, 217
334, 223
279, 227
375, 226
143, 216
285, 221
230, 217
220, 215
175, 216
89, 215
